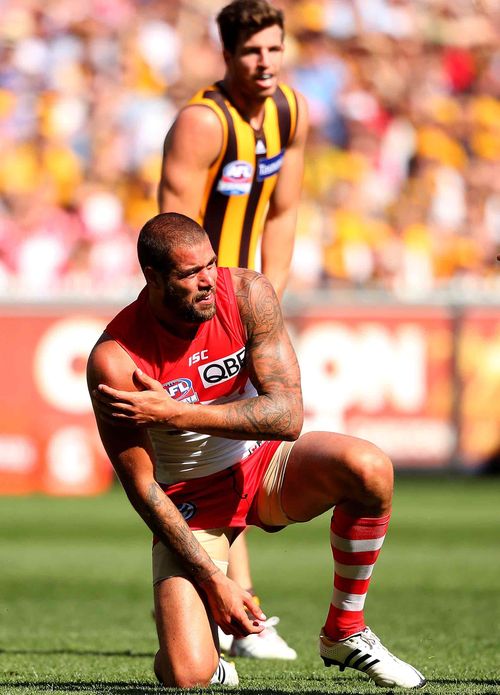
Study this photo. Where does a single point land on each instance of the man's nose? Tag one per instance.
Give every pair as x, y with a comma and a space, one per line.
205, 278
264, 57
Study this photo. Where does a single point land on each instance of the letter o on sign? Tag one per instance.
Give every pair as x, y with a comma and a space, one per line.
60, 363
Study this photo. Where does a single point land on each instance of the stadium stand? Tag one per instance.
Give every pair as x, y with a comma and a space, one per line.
402, 189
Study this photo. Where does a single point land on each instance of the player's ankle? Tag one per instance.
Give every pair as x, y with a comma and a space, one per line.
336, 633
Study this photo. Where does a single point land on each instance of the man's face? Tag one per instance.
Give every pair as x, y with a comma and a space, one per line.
189, 289
255, 65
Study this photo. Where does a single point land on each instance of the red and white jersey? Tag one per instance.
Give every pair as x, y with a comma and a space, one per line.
210, 368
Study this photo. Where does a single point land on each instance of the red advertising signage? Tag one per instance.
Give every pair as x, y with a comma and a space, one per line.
383, 374
48, 438
478, 361
422, 383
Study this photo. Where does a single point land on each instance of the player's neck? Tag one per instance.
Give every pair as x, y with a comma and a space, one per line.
184, 331
252, 110
179, 329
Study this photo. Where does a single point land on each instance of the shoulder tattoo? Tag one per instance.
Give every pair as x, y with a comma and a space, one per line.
258, 304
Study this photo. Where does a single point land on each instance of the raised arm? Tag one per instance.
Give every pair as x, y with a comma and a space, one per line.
129, 452
275, 413
191, 146
279, 229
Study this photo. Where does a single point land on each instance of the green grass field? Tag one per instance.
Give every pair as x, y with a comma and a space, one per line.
75, 595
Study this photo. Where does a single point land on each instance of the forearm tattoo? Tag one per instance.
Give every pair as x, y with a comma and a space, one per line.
167, 523
270, 359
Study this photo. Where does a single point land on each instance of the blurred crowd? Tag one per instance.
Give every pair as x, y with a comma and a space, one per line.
402, 183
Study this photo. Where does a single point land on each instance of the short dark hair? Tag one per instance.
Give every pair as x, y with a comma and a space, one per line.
243, 18
162, 234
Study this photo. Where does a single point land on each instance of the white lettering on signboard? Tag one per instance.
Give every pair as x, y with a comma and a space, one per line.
365, 365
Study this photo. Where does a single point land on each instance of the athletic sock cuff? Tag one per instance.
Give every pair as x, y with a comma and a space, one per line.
343, 522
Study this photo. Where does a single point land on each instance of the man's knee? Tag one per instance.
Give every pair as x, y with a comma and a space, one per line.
371, 469
187, 672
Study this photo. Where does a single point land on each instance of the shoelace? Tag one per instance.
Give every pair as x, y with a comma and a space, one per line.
371, 639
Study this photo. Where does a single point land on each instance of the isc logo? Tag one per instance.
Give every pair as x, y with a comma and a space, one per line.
198, 357
222, 369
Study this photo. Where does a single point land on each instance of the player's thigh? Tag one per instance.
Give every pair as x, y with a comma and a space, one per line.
186, 632
326, 468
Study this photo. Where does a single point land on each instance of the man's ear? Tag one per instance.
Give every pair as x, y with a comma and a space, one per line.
153, 277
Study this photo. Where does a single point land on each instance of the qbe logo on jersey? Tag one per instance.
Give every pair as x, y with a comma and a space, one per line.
222, 369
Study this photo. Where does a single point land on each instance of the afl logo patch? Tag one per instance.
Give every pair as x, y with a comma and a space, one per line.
187, 509
181, 390
236, 178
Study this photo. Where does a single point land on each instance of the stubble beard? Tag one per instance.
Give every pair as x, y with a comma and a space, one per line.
189, 311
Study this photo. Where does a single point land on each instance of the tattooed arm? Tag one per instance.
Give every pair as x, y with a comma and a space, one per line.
271, 361
129, 451
275, 413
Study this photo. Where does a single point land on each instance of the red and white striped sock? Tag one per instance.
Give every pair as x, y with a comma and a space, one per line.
356, 544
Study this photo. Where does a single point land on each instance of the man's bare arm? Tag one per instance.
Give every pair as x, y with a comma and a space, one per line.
270, 358
129, 451
279, 229
191, 146
277, 411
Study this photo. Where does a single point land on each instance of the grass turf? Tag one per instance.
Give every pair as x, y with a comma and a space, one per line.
75, 595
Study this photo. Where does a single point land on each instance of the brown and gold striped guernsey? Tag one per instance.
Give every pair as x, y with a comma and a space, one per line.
240, 182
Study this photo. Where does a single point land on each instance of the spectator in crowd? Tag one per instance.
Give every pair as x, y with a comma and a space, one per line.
407, 120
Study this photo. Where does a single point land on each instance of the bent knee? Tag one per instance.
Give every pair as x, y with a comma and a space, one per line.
372, 469
186, 673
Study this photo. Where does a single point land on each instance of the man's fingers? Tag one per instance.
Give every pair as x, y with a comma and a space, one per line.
106, 394
147, 381
111, 400
251, 626
253, 608
242, 626
106, 390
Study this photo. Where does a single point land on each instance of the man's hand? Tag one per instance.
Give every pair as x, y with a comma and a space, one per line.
234, 609
149, 406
